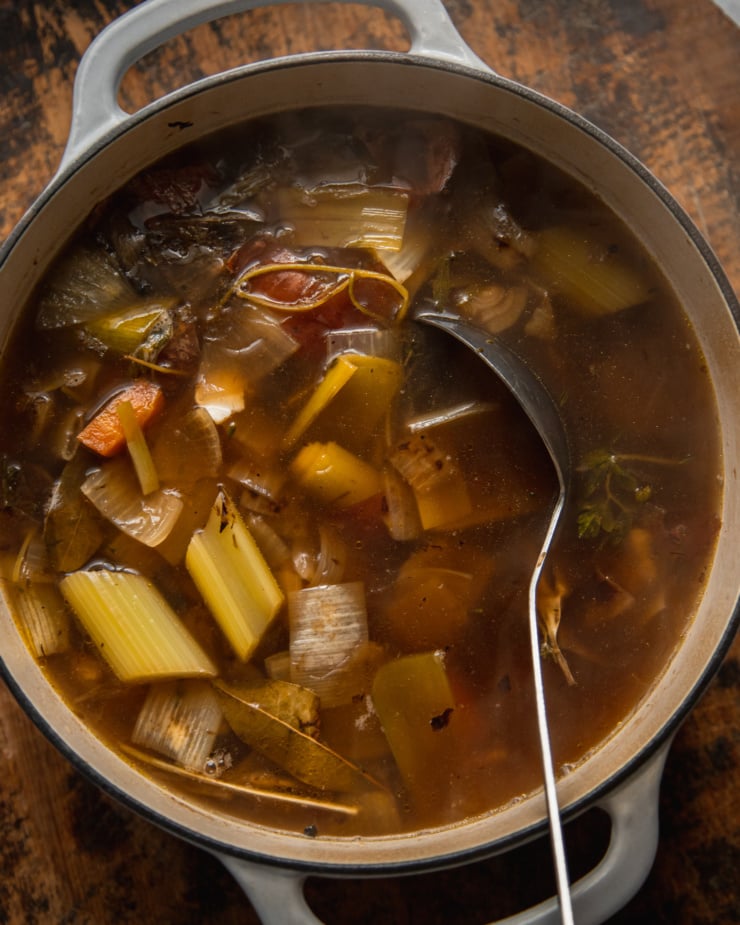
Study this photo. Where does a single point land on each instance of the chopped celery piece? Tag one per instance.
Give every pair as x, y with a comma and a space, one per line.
589, 273
414, 702
134, 628
355, 388
328, 624
115, 492
233, 577
299, 754
41, 615
334, 475
138, 448
179, 719
354, 216
126, 328
441, 493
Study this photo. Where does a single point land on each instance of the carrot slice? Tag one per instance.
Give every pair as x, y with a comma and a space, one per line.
104, 433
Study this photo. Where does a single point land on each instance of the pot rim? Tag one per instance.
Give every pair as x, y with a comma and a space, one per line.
640, 758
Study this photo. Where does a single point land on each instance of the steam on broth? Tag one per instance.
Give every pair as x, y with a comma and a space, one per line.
272, 540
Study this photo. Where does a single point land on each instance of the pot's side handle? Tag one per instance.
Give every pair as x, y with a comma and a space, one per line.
95, 108
633, 810
277, 894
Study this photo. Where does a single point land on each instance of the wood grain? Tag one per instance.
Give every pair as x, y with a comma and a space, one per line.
662, 77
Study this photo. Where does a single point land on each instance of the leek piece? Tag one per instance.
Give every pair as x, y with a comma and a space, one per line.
133, 627
126, 328
114, 490
277, 666
353, 216
40, 614
328, 624
350, 400
594, 277
230, 572
138, 448
414, 702
299, 754
179, 719
334, 475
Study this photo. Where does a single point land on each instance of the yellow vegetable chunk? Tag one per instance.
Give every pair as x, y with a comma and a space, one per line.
133, 627
334, 475
355, 388
414, 703
593, 276
230, 572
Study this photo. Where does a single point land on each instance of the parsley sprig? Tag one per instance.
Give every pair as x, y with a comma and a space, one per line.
613, 493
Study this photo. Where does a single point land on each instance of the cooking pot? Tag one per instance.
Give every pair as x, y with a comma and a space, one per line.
441, 75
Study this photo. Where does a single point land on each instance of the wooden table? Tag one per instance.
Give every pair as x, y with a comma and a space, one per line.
659, 75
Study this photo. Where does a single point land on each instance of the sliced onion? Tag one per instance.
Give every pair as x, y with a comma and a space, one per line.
401, 513
114, 491
187, 449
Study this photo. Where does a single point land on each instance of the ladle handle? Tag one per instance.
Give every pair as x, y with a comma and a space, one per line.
96, 113
277, 893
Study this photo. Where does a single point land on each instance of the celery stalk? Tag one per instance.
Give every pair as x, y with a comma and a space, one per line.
138, 448
134, 628
355, 387
231, 574
594, 277
334, 475
353, 216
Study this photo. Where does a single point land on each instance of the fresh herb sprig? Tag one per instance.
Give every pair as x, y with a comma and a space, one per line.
613, 493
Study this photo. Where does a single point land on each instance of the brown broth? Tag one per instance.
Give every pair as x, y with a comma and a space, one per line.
630, 380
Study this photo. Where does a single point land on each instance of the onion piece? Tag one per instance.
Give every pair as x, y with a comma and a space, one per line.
328, 624
400, 511
179, 719
113, 489
188, 448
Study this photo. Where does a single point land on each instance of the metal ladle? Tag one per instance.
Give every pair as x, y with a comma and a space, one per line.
544, 414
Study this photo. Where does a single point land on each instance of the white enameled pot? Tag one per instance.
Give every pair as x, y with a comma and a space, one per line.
439, 74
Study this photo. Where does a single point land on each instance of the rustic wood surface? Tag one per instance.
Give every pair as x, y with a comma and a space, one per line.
659, 75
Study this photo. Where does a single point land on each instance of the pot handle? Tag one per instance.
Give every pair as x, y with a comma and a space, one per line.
277, 894
95, 108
